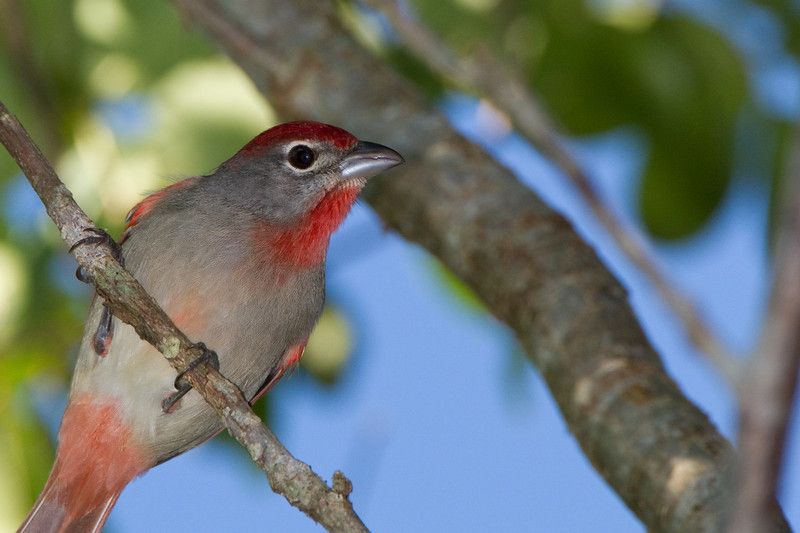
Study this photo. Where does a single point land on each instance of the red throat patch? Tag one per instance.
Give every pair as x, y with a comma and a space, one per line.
305, 244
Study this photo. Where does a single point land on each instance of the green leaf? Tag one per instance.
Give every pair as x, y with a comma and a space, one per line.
787, 12
673, 78
457, 288
329, 347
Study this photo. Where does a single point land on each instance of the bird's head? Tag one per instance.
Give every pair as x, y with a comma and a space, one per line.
285, 172
298, 181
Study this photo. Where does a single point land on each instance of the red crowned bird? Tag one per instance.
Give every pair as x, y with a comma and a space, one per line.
237, 260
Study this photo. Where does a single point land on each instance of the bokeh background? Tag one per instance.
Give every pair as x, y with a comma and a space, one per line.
680, 110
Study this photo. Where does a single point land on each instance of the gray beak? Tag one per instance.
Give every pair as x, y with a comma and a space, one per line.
368, 159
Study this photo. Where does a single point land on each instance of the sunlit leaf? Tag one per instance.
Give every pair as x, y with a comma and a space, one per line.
457, 288
329, 347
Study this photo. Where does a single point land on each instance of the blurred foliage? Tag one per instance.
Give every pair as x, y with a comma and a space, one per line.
464, 295
121, 96
604, 64
789, 13
329, 347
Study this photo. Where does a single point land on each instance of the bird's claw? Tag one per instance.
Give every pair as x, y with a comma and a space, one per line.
207, 356
105, 332
182, 386
100, 236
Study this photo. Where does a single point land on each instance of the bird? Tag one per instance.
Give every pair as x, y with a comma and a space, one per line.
237, 260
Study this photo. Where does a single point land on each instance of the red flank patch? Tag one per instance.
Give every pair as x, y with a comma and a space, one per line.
96, 456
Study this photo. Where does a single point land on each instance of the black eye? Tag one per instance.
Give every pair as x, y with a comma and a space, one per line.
301, 156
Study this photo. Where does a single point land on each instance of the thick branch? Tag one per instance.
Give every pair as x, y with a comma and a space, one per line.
485, 74
768, 392
129, 301
656, 449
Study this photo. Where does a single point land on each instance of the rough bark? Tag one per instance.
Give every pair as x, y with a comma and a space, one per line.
656, 449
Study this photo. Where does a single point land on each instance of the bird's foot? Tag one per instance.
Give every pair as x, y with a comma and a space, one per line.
105, 332
182, 385
100, 236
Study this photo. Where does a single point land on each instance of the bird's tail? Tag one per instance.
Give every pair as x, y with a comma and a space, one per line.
52, 514
96, 458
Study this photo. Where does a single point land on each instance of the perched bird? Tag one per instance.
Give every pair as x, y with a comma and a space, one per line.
237, 260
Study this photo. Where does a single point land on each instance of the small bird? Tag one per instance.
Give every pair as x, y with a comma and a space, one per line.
237, 260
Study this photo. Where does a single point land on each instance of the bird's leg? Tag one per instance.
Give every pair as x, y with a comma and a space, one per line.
100, 236
105, 330
183, 386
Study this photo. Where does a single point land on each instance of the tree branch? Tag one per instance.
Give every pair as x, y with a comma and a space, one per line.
768, 391
485, 74
656, 449
129, 301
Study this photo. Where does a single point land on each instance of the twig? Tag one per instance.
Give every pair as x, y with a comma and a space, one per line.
769, 389
129, 301
486, 75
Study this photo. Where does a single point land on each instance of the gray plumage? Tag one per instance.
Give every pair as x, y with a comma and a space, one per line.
237, 259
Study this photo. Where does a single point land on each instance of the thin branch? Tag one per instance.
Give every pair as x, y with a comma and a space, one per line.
656, 449
486, 75
769, 389
129, 301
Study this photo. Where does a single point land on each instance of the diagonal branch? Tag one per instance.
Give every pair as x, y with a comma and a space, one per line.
486, 75
129, 301
654, 447
769, 389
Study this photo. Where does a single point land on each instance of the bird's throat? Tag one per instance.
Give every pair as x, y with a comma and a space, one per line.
306, 242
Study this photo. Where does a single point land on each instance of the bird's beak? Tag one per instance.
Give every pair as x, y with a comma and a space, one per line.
368, 159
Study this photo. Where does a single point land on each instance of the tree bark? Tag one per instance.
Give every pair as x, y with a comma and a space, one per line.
656, 449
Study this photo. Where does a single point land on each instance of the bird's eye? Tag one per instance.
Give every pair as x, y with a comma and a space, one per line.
301, 156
